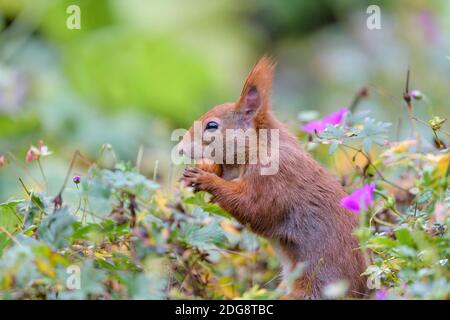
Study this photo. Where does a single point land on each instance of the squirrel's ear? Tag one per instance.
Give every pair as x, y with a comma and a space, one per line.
255, 96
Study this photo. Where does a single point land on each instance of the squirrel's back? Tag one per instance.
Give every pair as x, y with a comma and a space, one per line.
307, 222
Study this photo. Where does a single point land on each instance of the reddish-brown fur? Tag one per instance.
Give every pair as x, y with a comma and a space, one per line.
297, 209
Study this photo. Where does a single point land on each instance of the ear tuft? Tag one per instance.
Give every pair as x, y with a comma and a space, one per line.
252, 100
255, 96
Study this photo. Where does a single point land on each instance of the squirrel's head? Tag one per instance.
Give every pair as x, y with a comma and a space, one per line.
250, 111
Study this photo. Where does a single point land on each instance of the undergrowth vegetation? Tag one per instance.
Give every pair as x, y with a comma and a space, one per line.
126, 237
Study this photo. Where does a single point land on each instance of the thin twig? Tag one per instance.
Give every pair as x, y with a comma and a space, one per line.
42, 210
369, 161
2, 229
362, 93
24, 187
373, 217
43, 174
58, 199
407, 98
17, 216
189, 270
66, 179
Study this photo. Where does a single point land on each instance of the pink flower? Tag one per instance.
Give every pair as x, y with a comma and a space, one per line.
359, 199
381, 294
2, 161
316, 125
34, 153
320, 125
429, 26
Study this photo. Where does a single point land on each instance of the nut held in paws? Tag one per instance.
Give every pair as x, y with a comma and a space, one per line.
209, 165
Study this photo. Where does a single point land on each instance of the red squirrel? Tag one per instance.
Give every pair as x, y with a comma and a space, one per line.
297, 209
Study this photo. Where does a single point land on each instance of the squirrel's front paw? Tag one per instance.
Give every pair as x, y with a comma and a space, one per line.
197, 178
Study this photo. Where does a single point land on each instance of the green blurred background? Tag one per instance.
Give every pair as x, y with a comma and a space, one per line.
138, 69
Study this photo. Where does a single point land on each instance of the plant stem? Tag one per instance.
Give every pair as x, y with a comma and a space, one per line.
31, 198
409, 107
373, 217
43, 175
362, 93
66, 179
79, 201
2, 229
363, 224
155, 170
374, 167
139, 157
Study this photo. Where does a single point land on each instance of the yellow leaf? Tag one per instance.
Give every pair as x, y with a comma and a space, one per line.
102, 255
442, 166
229, 227
226, 287
7, 280
45, 267
161, 202
402, 146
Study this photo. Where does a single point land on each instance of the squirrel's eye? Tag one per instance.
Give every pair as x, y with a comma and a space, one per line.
211, 126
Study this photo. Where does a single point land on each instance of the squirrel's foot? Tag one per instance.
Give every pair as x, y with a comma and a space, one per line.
198, 178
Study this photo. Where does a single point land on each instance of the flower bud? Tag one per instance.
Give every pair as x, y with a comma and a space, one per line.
436, 123
33, 154
416, 94
76, 179
107, 158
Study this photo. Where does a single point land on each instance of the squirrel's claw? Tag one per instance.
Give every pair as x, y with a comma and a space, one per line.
193, 176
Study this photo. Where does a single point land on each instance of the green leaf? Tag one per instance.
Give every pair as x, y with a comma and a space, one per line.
198, 199
424, 197
56, 227
381, 242
373, 128
404, 237
11, 204
82, 232
131, 182
203, 237
91, 282
8, 216
145, 286
9, 220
